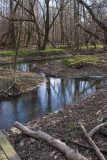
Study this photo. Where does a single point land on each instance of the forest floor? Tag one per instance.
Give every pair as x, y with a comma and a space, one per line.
64, 123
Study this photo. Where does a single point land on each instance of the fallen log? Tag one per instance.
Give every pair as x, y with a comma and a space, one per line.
99, 154
69, 152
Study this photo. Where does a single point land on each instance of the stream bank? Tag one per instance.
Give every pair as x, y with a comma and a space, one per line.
35, 57
99, 68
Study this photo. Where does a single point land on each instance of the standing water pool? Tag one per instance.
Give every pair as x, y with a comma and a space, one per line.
48, 97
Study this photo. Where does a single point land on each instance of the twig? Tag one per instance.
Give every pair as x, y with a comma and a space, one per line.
99, 154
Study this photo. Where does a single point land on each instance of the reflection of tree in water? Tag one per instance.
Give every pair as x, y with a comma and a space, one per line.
74, 89
60, 92
55, 94
50, 96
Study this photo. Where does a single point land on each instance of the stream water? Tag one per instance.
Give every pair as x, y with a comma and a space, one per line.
48, 97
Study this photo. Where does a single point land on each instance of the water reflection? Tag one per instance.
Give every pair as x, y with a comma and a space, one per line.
49, 97
26, 67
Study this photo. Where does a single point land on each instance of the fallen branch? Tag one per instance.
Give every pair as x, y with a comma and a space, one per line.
70, 153
94, 130
99, 154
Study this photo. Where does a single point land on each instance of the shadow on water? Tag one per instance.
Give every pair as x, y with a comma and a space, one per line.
49, 97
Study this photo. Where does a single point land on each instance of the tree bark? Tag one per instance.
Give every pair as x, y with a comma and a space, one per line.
46, 25
12, 30
76, 21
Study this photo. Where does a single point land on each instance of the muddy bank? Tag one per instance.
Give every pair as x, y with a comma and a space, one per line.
39, 56
61, 70
24, 82
64, 126
89, 69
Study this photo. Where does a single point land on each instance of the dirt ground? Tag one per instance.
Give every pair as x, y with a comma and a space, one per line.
64, 123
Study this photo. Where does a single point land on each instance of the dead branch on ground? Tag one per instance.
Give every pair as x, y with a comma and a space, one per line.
99, 154
69, 152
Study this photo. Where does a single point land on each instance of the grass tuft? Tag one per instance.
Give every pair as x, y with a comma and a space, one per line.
75, 126
80, 58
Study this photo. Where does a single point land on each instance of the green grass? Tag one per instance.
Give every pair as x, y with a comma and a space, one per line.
92, 46
30, 52
102, 53
75, 126
18, 80
80, 58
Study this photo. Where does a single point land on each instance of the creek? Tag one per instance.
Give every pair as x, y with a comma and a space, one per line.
52, 95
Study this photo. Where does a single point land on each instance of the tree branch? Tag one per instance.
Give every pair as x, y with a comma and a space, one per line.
89, 32
99, 154
102, 25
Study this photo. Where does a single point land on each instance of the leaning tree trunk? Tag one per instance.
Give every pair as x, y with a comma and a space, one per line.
101, 24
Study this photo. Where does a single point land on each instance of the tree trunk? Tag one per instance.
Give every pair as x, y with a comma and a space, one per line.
101, 24
12, 30
76, 21
46, 25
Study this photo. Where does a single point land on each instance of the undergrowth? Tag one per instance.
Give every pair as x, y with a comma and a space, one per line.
92, 46
80, 58
30, 52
